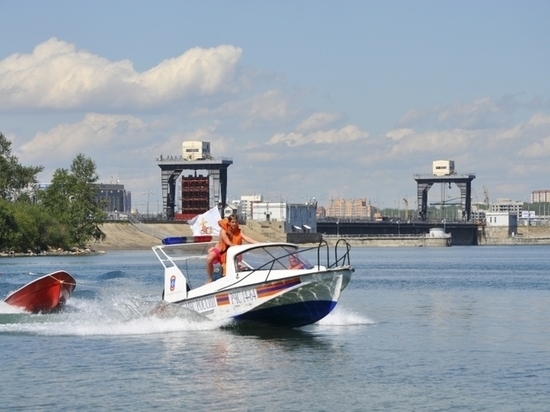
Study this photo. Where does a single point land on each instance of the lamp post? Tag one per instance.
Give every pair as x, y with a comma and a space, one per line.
152, 192
398, 209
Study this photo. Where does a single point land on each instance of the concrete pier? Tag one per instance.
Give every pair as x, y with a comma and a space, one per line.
526, 235
462, 233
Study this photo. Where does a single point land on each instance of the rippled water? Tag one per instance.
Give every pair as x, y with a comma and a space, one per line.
460, 328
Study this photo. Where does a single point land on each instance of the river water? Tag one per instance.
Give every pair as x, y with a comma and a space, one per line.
417, 329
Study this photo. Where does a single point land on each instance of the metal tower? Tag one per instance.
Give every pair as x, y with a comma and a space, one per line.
464, 183
171, 168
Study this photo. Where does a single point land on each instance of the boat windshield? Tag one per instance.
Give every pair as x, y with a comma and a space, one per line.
275, 257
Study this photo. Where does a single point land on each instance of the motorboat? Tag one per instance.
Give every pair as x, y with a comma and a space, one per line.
45, 294
267, 283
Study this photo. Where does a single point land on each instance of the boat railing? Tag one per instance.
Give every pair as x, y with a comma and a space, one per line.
341, 257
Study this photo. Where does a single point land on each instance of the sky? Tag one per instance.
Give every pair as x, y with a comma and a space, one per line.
325, 99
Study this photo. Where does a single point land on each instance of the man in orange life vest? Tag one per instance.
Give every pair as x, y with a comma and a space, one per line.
230, 235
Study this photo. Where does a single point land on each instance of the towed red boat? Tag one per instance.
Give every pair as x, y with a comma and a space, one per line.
45, 294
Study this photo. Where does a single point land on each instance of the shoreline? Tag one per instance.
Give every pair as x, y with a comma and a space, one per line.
126, 236
80, 252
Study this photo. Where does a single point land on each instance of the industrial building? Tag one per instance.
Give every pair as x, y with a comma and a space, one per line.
507, 205
293, 217
116, 198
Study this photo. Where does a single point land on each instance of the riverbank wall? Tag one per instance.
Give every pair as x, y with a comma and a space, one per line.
525, 235
392, 241
143, 236
126, 236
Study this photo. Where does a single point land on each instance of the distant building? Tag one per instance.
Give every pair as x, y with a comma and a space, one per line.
231, 209
507, 205
478, 214
296, 217
540, 196
246, 205
503, 220
116, 197
321, 212
353, 208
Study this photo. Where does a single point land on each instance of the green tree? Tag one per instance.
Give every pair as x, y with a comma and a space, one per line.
15, 178
72, 199
8, 227
37, 229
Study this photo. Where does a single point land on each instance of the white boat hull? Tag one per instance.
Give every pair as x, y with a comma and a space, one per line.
291, 302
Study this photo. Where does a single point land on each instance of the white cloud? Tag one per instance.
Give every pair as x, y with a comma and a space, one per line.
535, 136
514, 132
317, 121
406, 141
537, 150
539, 119
346, 134
466, 112
415, 116
96, 133
480, 113
57, 75
398, 134
271, 107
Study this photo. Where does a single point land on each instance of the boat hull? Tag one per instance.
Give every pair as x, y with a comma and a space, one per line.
293, 315
45, 294
290, 302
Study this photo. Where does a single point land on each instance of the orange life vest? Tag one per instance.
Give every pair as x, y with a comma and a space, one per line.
235, 237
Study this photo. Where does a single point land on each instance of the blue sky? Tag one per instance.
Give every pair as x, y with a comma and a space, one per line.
310, 98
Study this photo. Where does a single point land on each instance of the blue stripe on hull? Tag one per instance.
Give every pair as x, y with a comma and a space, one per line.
292, 316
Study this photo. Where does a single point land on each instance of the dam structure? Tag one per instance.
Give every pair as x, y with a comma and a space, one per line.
199, 192
463, 182
462, 230
462, 233
443, 172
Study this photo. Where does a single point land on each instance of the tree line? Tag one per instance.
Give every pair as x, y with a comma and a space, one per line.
65, 214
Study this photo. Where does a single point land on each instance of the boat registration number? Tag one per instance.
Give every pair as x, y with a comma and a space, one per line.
243, 296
